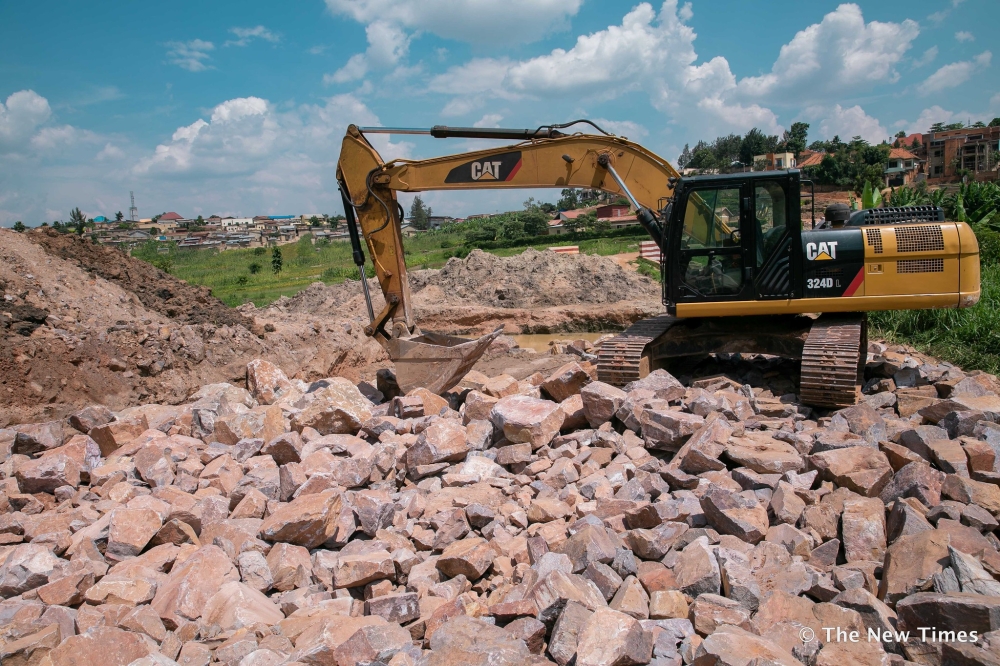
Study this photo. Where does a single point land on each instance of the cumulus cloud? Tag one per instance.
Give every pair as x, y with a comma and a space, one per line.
110, 152
965, 36
23, 113
190, 55
955, 74
839, 53
937, 114
626, 128
472, 21
939, 16
847, 123
246, 35
387, 45
654, 52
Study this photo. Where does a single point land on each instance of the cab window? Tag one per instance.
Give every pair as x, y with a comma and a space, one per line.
769, 218
710, 218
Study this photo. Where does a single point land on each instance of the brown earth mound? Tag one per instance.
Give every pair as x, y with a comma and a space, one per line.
156, 290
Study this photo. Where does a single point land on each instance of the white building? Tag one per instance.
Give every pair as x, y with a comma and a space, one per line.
237, 221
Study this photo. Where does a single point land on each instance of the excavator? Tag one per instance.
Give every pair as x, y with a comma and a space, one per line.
740, 272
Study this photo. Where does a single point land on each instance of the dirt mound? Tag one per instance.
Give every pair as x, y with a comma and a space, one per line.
156, 290
534, 279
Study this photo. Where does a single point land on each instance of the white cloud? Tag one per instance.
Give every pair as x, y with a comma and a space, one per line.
247, 35
387, 45
625, 128
190, 55
50, 138
965, 36
24, 111
489, 120
654, 52
356, 68
936, 114
839, 53
955, 74
846, 123
473, 21
110, 152
939, 16
319, 49
927, 58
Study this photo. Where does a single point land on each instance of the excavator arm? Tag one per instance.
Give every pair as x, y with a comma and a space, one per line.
544, 158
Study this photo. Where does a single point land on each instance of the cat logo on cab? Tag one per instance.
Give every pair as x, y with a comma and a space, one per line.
821, 251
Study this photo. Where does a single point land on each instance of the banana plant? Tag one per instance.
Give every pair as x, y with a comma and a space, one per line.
870, 196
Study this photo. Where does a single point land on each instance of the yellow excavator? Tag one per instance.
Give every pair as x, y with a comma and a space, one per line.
740, 273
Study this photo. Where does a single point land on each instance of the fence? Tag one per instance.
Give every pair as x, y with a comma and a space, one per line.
651, 251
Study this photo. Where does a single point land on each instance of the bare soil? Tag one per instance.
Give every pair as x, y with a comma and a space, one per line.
83, 324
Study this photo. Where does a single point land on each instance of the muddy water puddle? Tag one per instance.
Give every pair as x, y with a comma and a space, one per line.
540, 341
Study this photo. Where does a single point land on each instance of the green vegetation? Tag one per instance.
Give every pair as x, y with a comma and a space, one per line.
237, 276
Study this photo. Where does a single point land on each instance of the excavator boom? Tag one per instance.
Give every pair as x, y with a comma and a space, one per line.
545, 157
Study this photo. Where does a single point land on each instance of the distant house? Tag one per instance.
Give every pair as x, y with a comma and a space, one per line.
617, 215
174, 218
236, 222
775, 161
902, 168
810, 158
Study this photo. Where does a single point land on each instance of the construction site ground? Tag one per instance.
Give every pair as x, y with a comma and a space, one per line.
84, 323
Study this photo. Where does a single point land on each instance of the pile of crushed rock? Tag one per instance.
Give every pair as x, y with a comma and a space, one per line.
555, 519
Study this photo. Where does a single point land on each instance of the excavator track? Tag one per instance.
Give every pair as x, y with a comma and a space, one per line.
621, 359
833, 361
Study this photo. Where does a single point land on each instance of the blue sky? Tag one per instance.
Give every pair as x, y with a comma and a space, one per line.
239, 107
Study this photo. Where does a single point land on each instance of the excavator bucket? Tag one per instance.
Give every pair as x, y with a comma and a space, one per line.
435, 361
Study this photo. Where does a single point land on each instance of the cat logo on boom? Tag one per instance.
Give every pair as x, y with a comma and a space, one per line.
821, 251
498, 167
485, 170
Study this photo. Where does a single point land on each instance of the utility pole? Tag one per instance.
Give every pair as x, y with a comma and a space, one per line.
132, 211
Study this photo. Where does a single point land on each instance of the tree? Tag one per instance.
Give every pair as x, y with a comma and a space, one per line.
703, 158
570, 199
684, 157
937, 127
119, 217
756, 143
19, 227
979, 124
795, 138
955, 126
255, 267
900, 134
995, 122
276, 260
314, 221
77, 220
419, 214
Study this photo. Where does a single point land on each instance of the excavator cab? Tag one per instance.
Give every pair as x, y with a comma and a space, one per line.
730, 238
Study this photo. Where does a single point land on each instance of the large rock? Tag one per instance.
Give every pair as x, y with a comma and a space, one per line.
526, 419
28, 566
265, 422
864, 470
338, 408
267, 383
466, 640
863, 420
967, 491
764, 456
565, 382
863, 529
911, 563
610, 638
601, 402
130, 531
470, 557
189, 586
732, 646
959, 611
108, 646
668, 428
47, 473
444, 441
697, 570
308, 521
736, 514
237, 605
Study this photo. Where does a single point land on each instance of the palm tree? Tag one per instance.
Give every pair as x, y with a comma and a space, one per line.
77, 220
